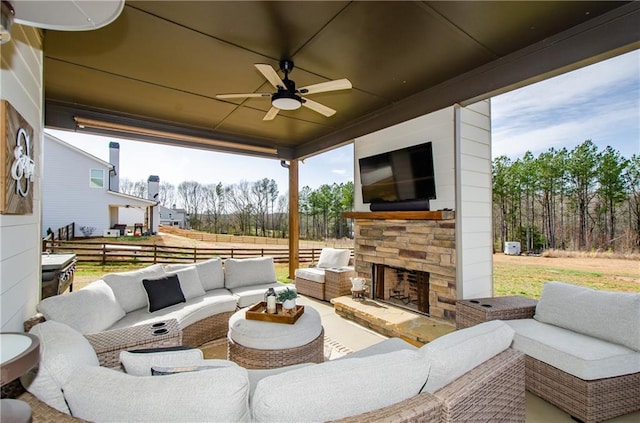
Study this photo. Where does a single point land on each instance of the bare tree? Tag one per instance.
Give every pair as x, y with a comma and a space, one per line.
190, 192
167, 194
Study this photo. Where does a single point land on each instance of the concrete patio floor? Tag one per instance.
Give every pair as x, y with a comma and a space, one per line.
356, 337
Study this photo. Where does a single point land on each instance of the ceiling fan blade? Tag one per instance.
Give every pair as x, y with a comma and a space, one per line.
271, 114
338, 84
317, 107
250, 95
271, 75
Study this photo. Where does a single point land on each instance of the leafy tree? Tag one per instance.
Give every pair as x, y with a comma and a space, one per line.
611, 184
582, 170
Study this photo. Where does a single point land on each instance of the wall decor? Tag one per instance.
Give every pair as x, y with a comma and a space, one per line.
17, 162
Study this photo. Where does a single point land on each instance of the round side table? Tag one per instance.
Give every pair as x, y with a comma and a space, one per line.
19, 352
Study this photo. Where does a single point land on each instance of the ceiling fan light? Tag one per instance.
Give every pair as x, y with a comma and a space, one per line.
286, 101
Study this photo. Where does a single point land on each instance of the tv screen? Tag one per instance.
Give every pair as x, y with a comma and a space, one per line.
401, 175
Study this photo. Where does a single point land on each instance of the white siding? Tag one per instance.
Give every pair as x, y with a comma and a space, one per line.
21, 76
67, 196
474, 197
436, 127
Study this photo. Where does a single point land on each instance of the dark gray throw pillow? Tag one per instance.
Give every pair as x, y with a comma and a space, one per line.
163, 292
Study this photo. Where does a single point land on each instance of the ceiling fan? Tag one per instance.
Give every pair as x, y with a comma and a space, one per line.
287, 97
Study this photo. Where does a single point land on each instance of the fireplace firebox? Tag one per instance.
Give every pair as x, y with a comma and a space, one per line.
405, 288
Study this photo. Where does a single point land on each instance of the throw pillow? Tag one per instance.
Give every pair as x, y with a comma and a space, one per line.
210, 272
247, 272
334, 257
91, 309
163, 292
127, 286
140, 364
189, 282
163, 371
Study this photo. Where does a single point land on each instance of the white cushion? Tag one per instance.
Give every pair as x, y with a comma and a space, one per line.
89, 310
339, 388
382, 347
612, 316
139, 364
213, 395
245, 272
210, 272
256, 375
315, 274
583, 356
212, 303
275, 336
249, 295
62, 351
127, 286
334, 257
455, 353
189, 282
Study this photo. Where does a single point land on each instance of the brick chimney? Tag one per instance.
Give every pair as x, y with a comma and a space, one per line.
114, 159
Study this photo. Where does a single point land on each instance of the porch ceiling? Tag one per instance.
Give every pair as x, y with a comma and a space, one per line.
161, 63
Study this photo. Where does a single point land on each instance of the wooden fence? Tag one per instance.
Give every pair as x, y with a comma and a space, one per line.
106, 253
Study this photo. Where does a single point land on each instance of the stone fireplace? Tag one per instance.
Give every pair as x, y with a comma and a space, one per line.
408, 259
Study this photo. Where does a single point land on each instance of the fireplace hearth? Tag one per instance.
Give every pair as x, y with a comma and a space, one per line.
405, 288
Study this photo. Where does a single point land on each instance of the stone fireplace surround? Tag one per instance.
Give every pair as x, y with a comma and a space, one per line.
423, 241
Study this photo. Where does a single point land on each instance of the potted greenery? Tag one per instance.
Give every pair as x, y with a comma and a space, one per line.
288, 298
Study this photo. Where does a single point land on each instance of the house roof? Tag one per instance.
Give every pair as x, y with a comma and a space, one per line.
124, 200
78, 150
155, 72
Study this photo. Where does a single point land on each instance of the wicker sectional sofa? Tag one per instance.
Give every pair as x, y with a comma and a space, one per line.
471, 374
582, 350
113, 312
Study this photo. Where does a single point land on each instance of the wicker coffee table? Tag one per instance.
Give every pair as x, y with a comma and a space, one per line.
478, 310
256, 344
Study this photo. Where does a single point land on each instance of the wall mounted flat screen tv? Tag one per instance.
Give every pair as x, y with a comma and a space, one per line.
403, 175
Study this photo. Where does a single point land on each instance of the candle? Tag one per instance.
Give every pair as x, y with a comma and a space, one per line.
271, 304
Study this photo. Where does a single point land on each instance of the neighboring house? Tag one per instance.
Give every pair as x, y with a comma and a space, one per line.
80, 188
174, 217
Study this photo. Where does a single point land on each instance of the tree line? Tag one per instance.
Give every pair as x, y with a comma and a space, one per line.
582, 199
255, 208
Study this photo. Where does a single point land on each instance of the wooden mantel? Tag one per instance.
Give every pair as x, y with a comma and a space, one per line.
403, 215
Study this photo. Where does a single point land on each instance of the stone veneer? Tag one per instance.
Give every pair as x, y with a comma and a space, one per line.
425, 245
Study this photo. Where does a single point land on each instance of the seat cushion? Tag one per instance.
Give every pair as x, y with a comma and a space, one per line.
612, 316
339, 388
334, 257
274, 336
314, 274
127, 286
62, 351
189, 282
210, 272
140, 363
455, 353
212, 303
89, 310
252, 294
247, 272
582, 356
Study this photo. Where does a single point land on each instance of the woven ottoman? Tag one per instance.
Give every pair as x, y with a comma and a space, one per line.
256, 344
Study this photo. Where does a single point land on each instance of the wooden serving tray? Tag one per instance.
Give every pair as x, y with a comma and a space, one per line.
259, 312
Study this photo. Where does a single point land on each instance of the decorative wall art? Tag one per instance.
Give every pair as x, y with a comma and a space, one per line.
17, 162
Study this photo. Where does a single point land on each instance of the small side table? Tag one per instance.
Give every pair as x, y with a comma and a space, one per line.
19, 352
478, 310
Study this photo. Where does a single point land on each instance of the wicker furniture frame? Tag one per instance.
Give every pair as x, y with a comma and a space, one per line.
252, 358
337, 283
479, 310
493, 391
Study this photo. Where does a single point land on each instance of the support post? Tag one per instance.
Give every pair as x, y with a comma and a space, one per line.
294, 221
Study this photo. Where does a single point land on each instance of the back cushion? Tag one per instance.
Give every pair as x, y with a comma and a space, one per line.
339, 388
91, 309
127, 286
611, 316
210, 272
62, 351
247, 272
454, 354
334, 257
189, 282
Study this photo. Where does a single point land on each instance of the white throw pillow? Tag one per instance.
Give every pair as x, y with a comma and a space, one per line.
214, 395
91, 309
246, 272
140, 363
189, 282
62, 352
127, 286
610, 316
455, 353
334, 257
339, 388
210, 272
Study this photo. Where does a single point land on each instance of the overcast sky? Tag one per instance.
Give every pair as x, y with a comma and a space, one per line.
600, 102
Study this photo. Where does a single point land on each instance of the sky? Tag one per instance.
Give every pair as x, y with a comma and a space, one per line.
600, 102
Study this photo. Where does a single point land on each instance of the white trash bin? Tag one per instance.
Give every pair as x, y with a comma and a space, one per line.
512, 248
